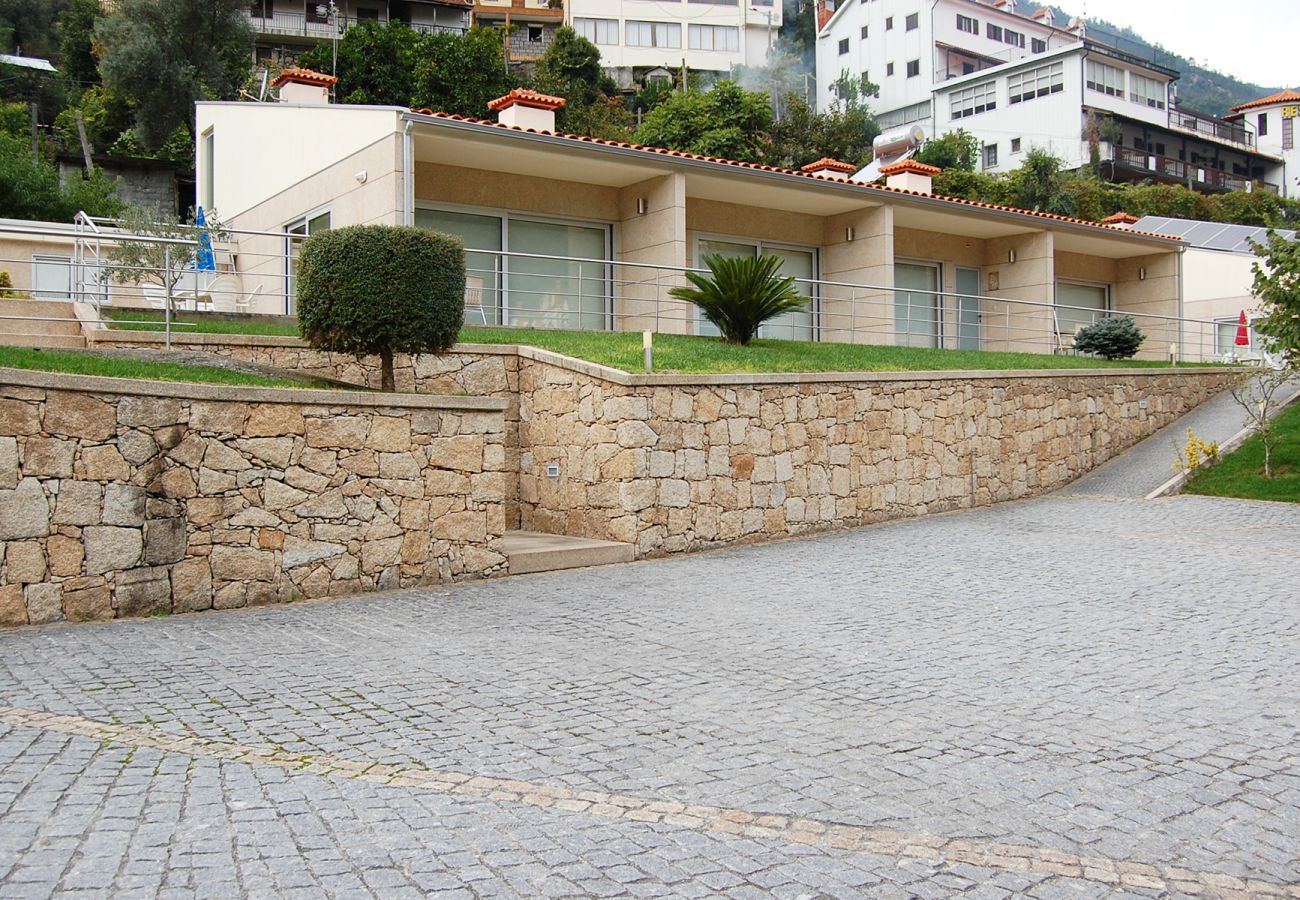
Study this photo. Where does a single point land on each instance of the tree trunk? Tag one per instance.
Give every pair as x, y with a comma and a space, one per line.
386, 382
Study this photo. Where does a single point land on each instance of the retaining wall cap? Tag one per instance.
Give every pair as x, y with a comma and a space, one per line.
241, 393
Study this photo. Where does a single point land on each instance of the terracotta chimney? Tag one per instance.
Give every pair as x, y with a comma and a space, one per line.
1120, 220
910, 175
304, 86
522, 108
827, 167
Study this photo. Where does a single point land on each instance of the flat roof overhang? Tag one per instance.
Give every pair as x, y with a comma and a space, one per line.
525, 154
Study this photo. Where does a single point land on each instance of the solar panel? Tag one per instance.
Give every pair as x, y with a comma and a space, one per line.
1210, 235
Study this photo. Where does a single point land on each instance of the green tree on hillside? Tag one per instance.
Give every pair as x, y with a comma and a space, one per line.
162, 55
462, 74
376, 63
76, 38
570, 68
1277, 285
726, 121
954, 150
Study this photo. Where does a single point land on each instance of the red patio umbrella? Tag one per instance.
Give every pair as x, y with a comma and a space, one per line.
1243, 333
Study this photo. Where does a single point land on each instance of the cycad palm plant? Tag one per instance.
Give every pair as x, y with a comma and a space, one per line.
740, 294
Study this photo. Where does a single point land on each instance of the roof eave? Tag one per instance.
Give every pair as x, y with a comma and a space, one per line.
881, 194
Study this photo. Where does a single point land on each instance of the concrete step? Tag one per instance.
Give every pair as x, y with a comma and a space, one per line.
533, 551
43, 317
42, 341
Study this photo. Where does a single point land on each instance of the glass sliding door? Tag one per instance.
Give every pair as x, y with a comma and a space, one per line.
1078, 305
482, 237
796, 263
916, 305
567, 284
968, 309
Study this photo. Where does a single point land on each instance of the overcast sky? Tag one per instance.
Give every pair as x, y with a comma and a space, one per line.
1255, 40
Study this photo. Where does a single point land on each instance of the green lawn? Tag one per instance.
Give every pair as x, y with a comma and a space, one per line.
152, 320
683, 353
117, 367
1240, 473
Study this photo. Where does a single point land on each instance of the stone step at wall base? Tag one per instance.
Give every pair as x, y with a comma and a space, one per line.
43, 341
535, 551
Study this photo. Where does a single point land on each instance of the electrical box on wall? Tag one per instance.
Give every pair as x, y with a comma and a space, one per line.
552, 470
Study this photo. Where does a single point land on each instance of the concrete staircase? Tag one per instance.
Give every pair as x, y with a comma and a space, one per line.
533, 551
51, 324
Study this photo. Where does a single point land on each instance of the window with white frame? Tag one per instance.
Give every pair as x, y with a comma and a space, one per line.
296, 232
1105, 79
1288, 134
967, 24
993, 32
1037, 45
989, 156
1038, 82
654, 34
1225, 337
1146, 91
977, 98
714, 37
598, 31
1014, 38
913, 68
912, 22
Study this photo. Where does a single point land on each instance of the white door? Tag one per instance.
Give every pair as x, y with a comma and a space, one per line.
52, 277
916, 305
968, 309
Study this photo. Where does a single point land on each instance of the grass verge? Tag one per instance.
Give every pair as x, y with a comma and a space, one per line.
699, 355
688, 354
153, 320
1241, 472
117, 367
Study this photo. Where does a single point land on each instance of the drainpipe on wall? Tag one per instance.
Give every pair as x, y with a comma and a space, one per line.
408, 176
1182, 337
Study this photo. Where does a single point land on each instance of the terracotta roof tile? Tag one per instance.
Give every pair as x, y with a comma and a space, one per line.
1290, 95
304, 76
1120, 218
820, 176
914, 166
526, 97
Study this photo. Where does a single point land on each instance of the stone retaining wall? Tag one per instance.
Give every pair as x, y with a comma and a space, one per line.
679, 462
122, 498
675, 463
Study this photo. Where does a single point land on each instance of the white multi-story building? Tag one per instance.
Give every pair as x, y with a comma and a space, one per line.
1017, 82
636, 36
1273, 120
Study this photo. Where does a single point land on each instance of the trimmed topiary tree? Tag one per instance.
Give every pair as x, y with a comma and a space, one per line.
741, 293
1117, 337
381, 290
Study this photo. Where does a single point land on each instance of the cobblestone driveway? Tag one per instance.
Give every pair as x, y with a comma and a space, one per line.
1058, 698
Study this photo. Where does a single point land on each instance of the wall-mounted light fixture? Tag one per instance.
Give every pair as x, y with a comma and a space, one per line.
363, 176
642, 206
1142, 273
1011, 256
850, 234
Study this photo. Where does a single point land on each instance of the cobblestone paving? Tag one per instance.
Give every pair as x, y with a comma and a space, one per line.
1058, 698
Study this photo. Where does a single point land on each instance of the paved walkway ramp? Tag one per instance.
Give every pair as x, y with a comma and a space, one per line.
1149, 464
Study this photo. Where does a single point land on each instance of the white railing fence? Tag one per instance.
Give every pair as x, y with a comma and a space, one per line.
254, 275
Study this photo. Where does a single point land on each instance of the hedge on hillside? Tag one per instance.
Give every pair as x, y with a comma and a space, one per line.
380, 290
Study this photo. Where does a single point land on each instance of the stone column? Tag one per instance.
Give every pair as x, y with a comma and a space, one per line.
860, 315
652, 229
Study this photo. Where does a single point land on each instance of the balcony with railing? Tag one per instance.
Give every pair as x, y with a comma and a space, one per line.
303, 25
1210, 127
1185, 172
